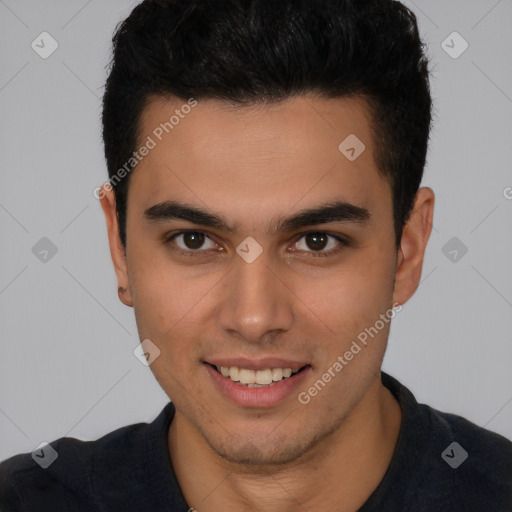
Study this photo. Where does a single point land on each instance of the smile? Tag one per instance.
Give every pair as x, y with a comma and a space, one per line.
265, 385
256, 378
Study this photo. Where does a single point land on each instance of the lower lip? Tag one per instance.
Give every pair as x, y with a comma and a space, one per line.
257, 397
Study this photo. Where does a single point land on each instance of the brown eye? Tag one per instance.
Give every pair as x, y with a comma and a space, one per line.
319, 243
192, 241
316, 241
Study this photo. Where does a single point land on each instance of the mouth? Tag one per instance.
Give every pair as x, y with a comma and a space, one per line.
259, 384
264, 378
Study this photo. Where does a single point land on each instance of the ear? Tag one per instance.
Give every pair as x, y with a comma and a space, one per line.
413, 243
108, 204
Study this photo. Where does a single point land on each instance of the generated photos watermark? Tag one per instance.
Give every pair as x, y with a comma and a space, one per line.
158, 133
304, 397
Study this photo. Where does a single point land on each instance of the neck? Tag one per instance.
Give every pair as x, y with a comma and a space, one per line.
342, 470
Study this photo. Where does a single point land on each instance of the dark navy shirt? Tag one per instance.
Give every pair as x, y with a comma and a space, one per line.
441, 462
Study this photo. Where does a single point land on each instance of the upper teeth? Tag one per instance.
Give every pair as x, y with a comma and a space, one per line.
262, 377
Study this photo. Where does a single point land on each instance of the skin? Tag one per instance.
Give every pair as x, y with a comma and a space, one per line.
253, 166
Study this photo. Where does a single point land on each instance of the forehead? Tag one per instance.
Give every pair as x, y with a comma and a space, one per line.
301, 151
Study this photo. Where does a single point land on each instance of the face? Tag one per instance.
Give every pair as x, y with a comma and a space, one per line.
253, 242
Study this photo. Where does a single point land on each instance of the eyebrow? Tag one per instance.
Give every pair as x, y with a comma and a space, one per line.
337, 211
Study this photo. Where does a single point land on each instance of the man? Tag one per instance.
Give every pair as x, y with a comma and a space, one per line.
266, 224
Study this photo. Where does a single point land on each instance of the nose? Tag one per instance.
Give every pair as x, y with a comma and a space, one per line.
256, 303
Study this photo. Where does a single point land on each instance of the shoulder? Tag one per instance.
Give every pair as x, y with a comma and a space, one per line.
69, 479
489, 454
445, 462
466, 465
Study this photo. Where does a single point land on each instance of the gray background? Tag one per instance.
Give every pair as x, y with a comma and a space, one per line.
67, 366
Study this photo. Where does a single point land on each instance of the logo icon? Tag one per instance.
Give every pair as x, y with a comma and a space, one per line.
352, 147
44, 45
146, 352
454, 455
44, 250
454, 45
249, 249
44, 455
454, 250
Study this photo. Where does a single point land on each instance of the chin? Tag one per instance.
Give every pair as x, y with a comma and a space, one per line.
252, 455
266, 450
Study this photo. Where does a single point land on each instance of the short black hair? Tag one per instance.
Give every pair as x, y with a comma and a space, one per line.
251, 52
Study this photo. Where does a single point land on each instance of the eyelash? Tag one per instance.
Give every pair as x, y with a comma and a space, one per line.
342, 241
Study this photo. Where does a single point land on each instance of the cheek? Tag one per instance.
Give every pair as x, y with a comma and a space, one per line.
349, 307
158, 297
171, 302
354, 295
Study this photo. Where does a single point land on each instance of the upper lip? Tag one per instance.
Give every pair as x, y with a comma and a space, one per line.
258, 364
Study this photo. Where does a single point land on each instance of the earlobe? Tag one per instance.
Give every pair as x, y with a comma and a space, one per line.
125, 296
108, 205
413, 243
